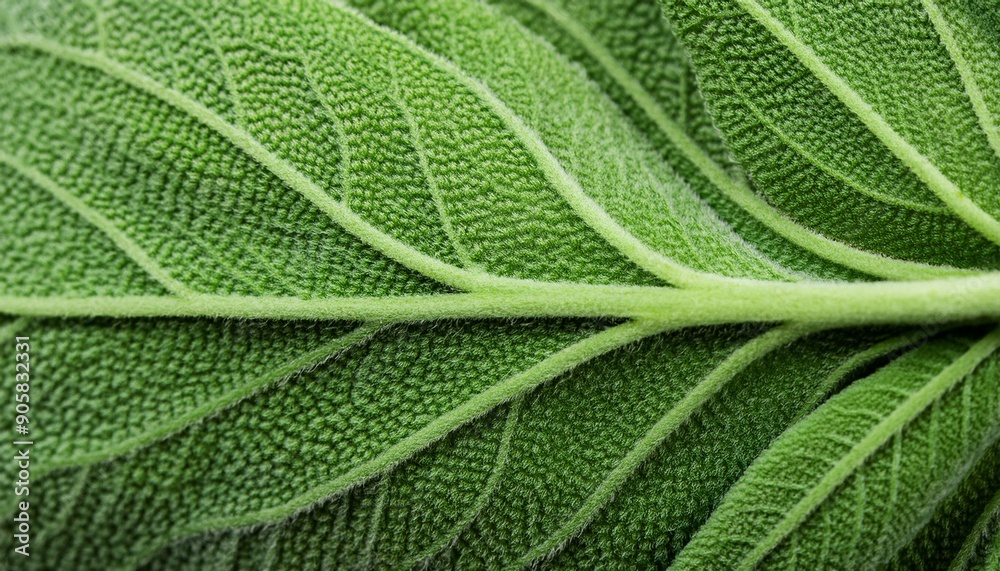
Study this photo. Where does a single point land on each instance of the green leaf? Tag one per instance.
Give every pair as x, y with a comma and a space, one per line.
367, 440
316, 285
956, 536
559, 225
849, 485
638, 61
981, 549
814, 123
435, 215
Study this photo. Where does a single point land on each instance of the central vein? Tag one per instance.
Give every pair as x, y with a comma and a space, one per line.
737, 301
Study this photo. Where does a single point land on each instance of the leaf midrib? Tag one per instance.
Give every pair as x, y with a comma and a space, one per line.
740, 301
446, 273
518, 283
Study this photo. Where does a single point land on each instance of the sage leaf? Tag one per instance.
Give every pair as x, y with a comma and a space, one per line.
812, 122
885, 451
352, 284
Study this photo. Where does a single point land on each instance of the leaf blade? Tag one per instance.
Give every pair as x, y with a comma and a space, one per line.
948, 191
705, 163
764, 533
793, 133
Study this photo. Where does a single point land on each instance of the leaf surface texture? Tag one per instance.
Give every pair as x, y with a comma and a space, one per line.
509, 284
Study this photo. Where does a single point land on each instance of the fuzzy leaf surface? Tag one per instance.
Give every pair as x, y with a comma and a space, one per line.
457, 284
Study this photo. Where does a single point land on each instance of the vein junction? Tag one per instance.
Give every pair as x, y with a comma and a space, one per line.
702, 299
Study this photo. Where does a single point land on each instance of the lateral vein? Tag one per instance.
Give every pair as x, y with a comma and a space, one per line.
432, 184
989, 516
861, 359
478, 405
491, 484
99, 221
157, 432
667, 425
568, 187
972, 89
12, 327
963, 206
285, 171
741, 194
899, 418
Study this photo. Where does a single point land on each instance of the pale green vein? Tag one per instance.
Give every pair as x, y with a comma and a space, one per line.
346, 158
223, 266
897, 466
980, 531
227, 79
834, 172
66, 507
262, 261
861, 359
118, 484
739, 193
966, 411
102, 34
828, 303
175, 424
948, 487
99, 221
478, 405
491, 484
567, 186
282, 169
435, 191
902, 416
13, 327
340, 213
963, 206
375, 524
271, 555
972, 89
229, 551
667, 425
232, 270
860, 501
